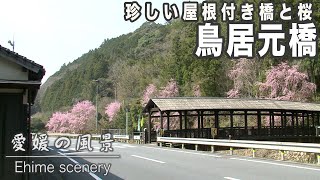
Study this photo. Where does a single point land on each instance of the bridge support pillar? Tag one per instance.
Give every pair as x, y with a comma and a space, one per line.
183, 146
212, 149
196, 147
318, 157
231, 151
253, 153
281, 155
160, 144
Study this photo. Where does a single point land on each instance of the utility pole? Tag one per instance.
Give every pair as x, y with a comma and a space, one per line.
127, 109
115, 92
139, 123
127, 117
97, 108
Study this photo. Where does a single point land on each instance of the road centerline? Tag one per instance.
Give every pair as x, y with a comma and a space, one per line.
231, 178
154, 160
181, 151
277, 164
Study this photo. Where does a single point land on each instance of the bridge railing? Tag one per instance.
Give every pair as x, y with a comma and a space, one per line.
189, 133
264, 131
271, 145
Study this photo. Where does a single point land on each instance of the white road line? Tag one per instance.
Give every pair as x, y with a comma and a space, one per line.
277, 164
76, 162
63, 150
201, 154
230, 178
148, 159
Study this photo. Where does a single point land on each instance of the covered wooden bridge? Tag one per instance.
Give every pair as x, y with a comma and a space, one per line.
256, 119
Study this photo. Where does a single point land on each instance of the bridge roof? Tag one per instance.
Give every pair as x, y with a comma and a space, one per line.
210, 103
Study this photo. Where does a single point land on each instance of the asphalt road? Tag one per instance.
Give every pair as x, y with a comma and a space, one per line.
144, 162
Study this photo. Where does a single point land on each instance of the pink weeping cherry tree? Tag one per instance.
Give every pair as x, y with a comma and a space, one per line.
74, 121
148, 93
58, 122
170, 90
112, 109
80, 116
285, 82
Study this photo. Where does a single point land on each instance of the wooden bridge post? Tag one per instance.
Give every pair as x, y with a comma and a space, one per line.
259, 122
161, 120
231, 124
168, 120
308, 124
201, 118
199, 124
216, 119
185, 123
185, 120
246, 123
149, 127
180, 118
203, 135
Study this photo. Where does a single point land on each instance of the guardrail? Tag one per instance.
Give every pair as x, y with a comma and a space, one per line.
271, 145
121, 137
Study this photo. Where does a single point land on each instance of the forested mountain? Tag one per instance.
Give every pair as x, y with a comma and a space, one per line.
154, 53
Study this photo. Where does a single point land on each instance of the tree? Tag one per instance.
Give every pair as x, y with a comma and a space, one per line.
80, 116
244, 77
58, 122
284, 82
77, 120
148, 93
151, 91
196, 90
170, 90
112, 109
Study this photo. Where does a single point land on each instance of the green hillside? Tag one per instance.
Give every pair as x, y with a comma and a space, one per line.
155, 54
152, 54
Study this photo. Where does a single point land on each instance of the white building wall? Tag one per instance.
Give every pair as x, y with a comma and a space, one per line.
11, 71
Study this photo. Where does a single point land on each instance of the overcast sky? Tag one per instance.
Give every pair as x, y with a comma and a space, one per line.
59, 31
